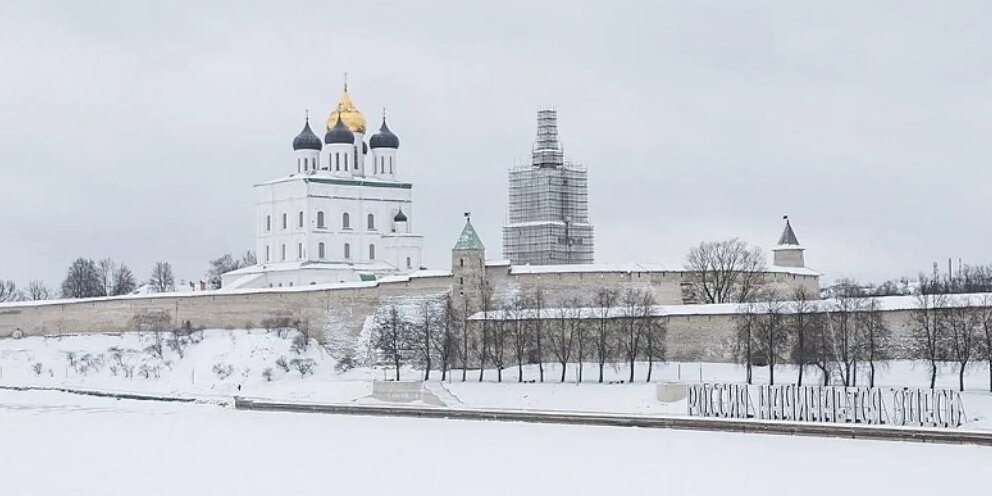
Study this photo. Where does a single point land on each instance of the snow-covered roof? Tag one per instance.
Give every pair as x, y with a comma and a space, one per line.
885, 304
634, 268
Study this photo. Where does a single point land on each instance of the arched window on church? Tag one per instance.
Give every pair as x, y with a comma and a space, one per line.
283, 252
301, 218
320, 250
267, 255
347, 251
390, 165
299, 251
297, 165
372, 252
320, 220
371, 222
268, 223
284, 221
356, 158
345, 221
409, 263
345, 162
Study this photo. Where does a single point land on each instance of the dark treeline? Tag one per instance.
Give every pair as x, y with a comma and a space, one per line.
613, 327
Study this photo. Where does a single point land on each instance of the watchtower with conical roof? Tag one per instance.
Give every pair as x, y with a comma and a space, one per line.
468, 260
788, 252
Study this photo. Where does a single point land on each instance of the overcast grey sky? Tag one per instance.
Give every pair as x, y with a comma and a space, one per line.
135, 130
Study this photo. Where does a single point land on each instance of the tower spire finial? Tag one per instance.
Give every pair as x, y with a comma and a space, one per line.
307, 115
346, 81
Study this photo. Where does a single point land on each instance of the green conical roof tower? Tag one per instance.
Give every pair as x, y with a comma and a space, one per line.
469, 240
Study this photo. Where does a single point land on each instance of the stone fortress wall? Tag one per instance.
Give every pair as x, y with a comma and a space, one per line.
341, 311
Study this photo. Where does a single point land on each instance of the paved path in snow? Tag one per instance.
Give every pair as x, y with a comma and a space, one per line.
946, 436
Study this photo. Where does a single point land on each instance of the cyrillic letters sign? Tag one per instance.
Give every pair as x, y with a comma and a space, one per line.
882, 406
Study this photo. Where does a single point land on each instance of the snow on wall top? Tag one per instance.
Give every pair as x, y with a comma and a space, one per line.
635, 267
885, 304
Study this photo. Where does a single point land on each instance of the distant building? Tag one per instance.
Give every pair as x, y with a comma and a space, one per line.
343, 216
548, 218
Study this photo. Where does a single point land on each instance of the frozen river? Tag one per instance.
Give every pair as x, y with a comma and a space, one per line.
55, 443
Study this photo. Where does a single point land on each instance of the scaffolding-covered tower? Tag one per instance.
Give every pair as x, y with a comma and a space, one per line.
548, 221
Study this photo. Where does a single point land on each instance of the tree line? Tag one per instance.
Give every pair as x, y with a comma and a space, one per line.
612, 327
88, 278
848, 335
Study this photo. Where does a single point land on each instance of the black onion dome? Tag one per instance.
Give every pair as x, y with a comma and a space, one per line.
400, 216
339, 134
384, 138
306, 140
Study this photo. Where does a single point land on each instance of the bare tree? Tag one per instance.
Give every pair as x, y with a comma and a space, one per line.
519, 335
537, 304
463, 355
631, 309
563, 335
746, 321
9, 291
486, 305
105, 269
227, 263
876, 336
499, 332
124, 281
655, 331
800, 322
725, 271
986, 322
964, 324
603, 342
423, 334
772, 332
445, 340
392, 337
844, 336
929, 333
162, 279
581, 331
82, 280
38, 291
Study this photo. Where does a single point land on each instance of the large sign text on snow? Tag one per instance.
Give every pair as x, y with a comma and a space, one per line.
885, 406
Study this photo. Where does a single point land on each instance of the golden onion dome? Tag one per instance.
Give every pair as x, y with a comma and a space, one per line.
350, 115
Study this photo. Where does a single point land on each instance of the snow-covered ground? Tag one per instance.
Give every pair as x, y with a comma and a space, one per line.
221, 362
57, 444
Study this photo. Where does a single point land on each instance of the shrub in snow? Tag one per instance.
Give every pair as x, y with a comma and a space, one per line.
17, 334
305, 366
84, 364
37, 368
223, 371
148, 371
281, 363
281, 325
267, 374
300, 343
155, 349
178, 343
347, 361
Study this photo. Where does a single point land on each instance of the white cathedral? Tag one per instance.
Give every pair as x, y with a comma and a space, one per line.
342, 215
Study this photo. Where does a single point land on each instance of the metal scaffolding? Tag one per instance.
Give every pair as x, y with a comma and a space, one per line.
548, 218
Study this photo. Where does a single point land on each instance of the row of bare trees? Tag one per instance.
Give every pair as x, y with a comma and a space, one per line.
838, 338
848, 335
613, 327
